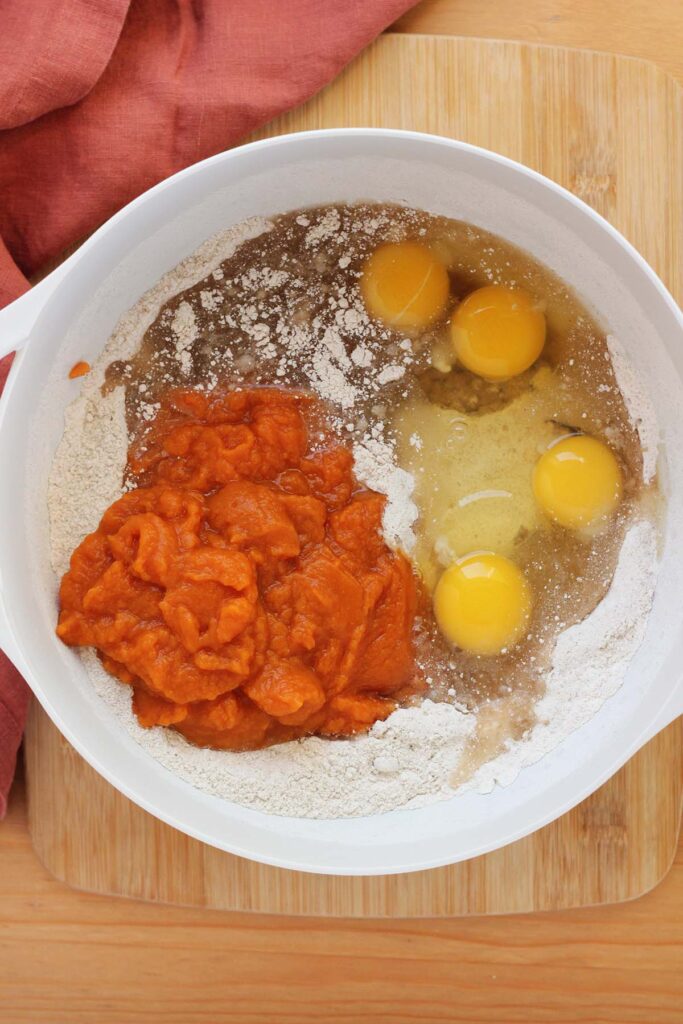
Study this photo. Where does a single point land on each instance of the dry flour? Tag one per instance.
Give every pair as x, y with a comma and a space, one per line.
91, 455
638, 405
407, 760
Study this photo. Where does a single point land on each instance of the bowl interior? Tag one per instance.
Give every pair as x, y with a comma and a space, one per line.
124, 259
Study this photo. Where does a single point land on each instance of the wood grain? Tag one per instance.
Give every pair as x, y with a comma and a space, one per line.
610, 129
631, 27
616, 845
69, 957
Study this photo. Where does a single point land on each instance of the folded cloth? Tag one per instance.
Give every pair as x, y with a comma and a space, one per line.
100, 99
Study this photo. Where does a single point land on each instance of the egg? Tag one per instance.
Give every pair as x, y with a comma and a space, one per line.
482, 603
577, 482
405, 285
498, 332
472, 474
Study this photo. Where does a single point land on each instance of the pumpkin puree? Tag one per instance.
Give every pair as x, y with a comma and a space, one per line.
243, 589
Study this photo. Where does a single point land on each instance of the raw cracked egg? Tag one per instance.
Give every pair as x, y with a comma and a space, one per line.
482, 603
472, 474
577, 481
498, 332
405, 285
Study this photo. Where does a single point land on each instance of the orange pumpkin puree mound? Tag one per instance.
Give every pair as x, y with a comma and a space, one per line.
244, 590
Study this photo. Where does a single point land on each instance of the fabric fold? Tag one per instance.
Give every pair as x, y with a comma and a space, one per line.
52, 62
14, 694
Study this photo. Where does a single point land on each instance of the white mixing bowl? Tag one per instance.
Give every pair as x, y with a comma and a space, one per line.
70, 315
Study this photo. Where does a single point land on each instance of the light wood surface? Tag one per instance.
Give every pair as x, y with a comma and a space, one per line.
637, 28
581, 118
614, 846
69, 957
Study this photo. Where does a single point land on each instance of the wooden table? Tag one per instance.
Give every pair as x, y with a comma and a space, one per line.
68, 957
637, 28
71, 958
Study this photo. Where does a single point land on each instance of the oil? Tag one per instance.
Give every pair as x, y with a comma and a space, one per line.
470, 444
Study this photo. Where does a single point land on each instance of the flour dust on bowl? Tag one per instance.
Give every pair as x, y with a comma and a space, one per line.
395, 455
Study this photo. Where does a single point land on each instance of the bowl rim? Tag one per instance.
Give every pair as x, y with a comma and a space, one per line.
136, 793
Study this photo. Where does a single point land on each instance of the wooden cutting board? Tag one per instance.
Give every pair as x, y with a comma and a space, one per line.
611, 130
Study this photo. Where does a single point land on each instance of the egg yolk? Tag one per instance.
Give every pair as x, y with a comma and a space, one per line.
498, 332
405, 285
577, 481
482, 603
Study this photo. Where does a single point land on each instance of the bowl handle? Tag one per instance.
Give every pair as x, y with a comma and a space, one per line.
16, 323
18, 318
672, 709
